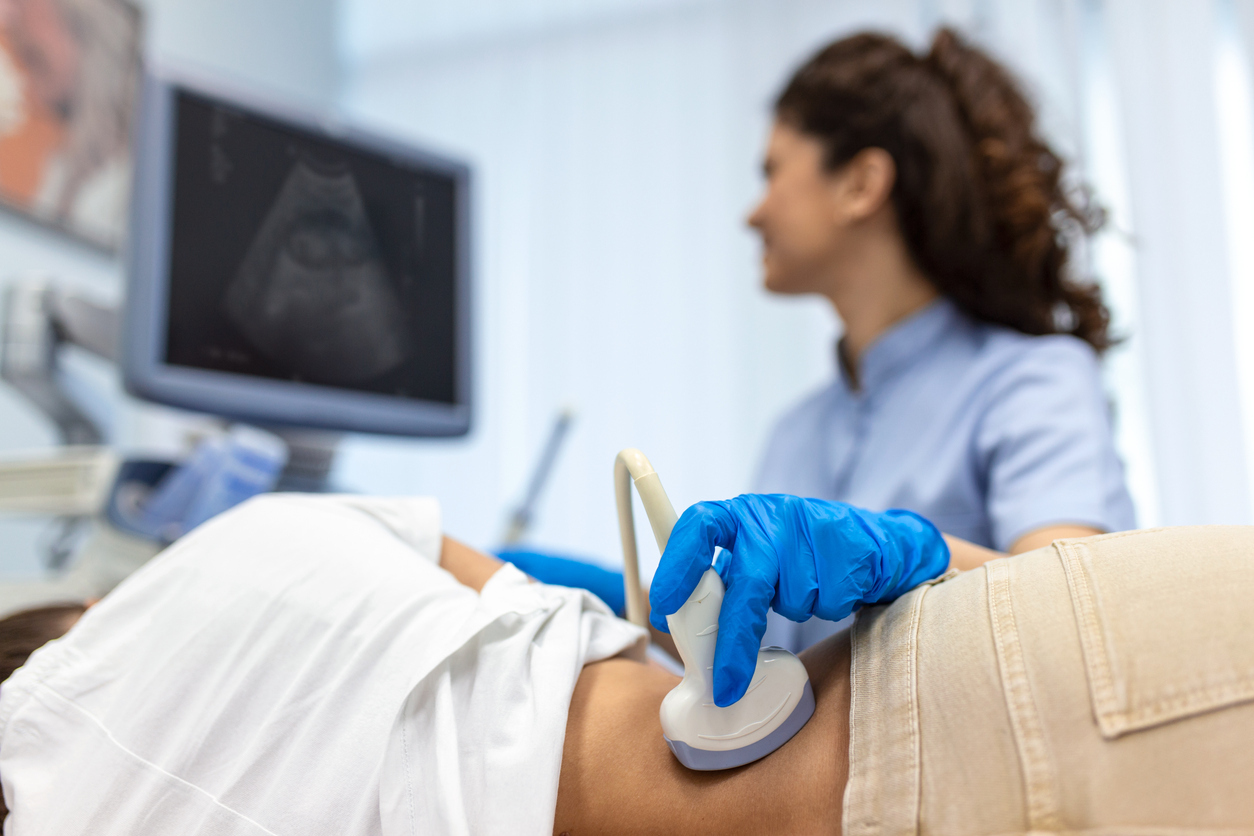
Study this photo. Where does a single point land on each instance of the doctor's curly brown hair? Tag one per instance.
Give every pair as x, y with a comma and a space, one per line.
979, 196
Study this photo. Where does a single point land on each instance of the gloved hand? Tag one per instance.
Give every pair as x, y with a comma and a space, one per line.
802, 557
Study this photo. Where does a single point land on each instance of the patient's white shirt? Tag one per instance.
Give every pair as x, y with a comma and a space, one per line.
301, 665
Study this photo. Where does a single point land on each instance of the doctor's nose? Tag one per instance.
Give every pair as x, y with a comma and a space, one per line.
756, 218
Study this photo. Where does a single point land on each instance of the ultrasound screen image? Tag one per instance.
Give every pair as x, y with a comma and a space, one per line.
297, 258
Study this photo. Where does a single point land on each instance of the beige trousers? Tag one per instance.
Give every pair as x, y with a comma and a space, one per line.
1102, 685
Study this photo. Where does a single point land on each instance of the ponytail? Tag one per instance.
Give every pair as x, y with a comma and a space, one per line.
979, 195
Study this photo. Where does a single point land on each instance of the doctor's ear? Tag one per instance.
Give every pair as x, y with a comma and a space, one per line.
862, 186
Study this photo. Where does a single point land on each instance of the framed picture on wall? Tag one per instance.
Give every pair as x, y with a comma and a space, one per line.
69, 85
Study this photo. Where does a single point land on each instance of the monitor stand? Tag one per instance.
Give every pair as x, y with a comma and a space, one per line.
311, 455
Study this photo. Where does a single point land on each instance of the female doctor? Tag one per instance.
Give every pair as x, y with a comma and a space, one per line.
914, 193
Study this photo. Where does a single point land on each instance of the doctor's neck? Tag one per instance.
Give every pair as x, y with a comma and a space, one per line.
876, 286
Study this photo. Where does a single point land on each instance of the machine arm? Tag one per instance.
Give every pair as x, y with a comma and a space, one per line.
38, 320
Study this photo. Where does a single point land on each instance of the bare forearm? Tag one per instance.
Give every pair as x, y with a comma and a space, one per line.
469, 566
964, 556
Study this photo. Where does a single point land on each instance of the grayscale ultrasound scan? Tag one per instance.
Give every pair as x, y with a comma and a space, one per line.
313, 292
297, 258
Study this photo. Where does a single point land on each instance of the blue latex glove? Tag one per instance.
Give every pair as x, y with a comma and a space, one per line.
802, 557
571, 571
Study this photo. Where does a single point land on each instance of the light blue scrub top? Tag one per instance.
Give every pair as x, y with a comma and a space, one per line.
987, 432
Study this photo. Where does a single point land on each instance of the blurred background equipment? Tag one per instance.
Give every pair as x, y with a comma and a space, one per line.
545, 565
520, 519
69, 72
40, 319
285, 271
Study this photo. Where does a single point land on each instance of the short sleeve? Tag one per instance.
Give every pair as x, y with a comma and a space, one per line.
1046, 445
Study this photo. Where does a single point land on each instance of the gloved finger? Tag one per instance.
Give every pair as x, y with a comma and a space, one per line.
688, 552
741, 624
797, 587
755, 550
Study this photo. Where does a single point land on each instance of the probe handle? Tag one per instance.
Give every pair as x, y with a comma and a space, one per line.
630, 467
694, 627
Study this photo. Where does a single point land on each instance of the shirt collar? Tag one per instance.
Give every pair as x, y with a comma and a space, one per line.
896, 348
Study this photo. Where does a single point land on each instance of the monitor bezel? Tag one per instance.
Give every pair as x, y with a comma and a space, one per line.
258, 400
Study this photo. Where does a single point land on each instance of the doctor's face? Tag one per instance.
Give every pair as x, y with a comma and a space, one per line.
797, 218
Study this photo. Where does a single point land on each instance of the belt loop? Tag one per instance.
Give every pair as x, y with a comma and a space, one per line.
1039, 783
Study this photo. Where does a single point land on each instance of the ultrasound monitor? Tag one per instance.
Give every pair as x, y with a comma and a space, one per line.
286, 271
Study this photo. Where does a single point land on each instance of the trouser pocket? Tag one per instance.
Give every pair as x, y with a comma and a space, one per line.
1165, 620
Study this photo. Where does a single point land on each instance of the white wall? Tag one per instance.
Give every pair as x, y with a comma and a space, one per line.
285, 47
370, 28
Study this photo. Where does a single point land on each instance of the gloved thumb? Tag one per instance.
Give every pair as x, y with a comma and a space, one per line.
741, 624
701, 527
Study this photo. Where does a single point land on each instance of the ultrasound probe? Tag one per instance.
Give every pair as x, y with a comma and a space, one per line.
702, 735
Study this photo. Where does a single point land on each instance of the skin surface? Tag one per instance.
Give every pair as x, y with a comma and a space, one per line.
965, 556
618, 776
835, 233
472, 568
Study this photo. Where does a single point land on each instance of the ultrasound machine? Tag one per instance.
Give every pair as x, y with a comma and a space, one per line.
284, 272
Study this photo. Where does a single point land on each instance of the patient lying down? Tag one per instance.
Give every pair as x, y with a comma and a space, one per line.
335, 665
301, 665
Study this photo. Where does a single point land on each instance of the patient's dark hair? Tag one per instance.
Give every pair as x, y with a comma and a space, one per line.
22, 633
979, 195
